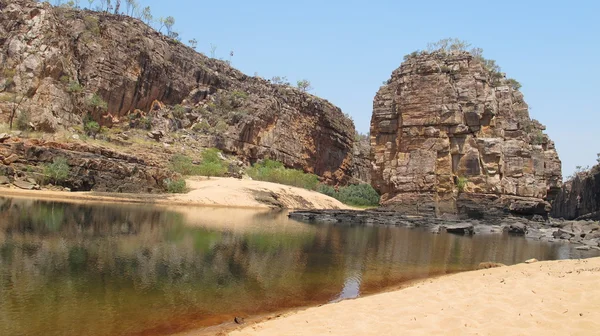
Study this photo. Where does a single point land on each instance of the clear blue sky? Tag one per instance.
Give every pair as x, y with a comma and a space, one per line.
347, 48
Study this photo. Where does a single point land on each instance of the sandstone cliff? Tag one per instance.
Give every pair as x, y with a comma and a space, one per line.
56, 62
580, 197
451, 135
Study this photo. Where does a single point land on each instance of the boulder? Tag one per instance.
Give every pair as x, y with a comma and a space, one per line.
461, 228
4, 180
516, 229
25, 185
10, 159
4, 137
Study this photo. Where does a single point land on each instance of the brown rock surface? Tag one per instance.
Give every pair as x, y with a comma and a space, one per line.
62, 57
92, 168
450, 136
580, 197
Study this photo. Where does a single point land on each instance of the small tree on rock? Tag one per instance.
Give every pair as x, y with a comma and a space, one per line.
169, 22
193, 43
304, 85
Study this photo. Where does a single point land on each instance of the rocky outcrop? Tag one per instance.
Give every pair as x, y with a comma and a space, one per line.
57, 62
91, 168
450, 135
584, 233
580, 197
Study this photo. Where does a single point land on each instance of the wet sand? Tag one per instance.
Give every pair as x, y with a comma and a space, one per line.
543, 298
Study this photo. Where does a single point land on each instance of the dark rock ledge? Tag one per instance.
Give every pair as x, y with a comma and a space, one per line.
584, 233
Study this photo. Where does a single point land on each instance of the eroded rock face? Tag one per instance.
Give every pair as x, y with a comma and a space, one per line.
580, 197
58, 58
91, 168
450, 136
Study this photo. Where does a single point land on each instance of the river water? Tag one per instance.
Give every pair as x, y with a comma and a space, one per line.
104, 269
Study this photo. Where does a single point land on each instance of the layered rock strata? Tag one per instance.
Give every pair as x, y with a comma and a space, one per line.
449, 135
56, 63
23, 163
580, 197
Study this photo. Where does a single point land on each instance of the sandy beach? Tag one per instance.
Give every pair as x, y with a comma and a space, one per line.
220, 192
542, 298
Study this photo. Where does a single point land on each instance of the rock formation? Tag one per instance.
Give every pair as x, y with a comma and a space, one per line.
580, 197
91, 167
449, 134
62, 64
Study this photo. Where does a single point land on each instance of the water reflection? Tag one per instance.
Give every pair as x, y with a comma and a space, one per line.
73, 269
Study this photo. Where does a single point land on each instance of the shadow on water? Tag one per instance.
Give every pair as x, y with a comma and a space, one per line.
73, 269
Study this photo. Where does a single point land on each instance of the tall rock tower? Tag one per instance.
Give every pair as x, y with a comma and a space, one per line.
451, 134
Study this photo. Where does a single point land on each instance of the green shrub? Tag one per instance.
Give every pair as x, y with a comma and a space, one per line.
97, 102
513, 83
274, 171
211, 155
461, 183
57, 171
358, 194
538, 138
146, 122
212, 169
327, 190
176, 186
74, 87
221, 126
202, 126
23, 120
178, 111
91, 24
91, 128
183, 165
211, 165
239, 95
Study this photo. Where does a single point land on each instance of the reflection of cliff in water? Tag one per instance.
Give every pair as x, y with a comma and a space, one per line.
108, 269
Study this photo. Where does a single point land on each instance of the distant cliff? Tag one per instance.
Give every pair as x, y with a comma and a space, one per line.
63, 64
580, 197
450, 134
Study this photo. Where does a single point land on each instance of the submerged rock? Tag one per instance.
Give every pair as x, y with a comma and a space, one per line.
461, 229
516, 229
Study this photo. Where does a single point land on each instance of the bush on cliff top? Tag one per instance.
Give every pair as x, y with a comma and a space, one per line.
449, 45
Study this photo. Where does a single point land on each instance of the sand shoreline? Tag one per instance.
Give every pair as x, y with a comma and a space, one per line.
213, 192
550, 298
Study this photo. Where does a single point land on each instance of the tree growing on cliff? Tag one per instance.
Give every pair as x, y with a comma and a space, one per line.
169, 23
193, 43
213, 50
15, 101
280, 80
147, 15
131, 6
304, 85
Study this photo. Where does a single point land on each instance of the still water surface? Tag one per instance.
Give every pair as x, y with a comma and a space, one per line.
81, 269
